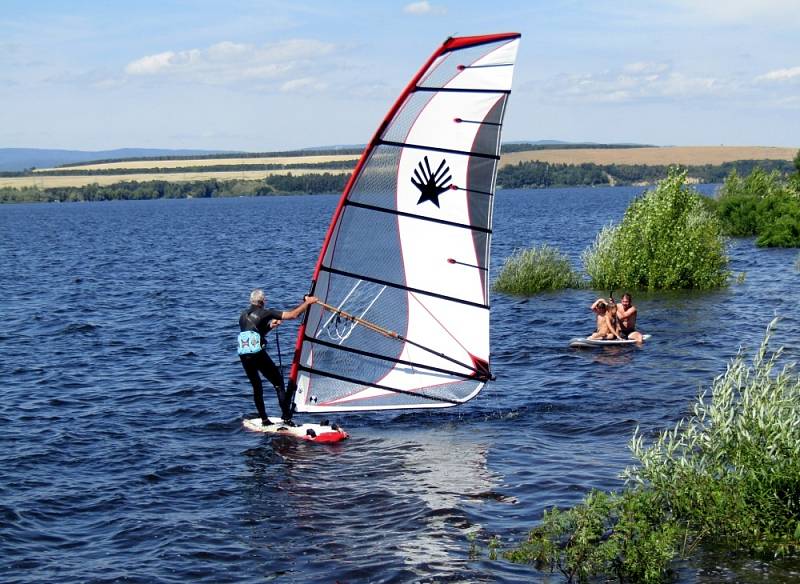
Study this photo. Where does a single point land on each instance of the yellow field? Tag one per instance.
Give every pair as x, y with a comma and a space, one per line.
211, 162
46, 182
683, 155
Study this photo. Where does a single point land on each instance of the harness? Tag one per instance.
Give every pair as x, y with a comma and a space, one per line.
249, 341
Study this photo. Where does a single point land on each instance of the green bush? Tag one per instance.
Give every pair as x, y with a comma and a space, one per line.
731, 471
668, 239
620, 535
761, 204
533, 270
728, 475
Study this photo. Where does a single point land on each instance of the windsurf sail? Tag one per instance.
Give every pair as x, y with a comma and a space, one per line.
403, 274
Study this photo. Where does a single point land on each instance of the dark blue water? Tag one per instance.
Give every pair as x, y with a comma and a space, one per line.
122, 455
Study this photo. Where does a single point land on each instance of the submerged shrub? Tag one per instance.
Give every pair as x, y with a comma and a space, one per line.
728, 475
668, 239
535, 269
732, 469
619, 535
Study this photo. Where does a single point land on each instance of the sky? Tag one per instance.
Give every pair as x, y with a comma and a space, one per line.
261, 75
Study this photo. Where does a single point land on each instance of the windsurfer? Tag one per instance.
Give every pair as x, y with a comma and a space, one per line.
606, 320
626, 316
255, 322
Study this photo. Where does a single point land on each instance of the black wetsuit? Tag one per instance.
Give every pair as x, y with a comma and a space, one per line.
255, 318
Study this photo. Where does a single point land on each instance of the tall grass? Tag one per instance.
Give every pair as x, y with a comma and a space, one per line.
536, 269
727, 475
667, 239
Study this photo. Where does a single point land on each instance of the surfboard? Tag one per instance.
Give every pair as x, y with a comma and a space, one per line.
586, 342
310, 432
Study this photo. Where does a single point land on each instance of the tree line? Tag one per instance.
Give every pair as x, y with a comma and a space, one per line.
159, 189
518, 176
535, 174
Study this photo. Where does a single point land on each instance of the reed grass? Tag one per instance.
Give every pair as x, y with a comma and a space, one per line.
536, 269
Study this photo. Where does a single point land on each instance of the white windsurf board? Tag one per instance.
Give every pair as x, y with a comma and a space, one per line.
309, 432
586, 342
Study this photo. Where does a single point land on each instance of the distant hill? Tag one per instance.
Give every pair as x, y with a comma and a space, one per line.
17, 159
20, 159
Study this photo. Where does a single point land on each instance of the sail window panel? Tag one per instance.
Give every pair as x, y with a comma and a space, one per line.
446, 68
331, 394
368, 244
377, 183
450, 121
383, 306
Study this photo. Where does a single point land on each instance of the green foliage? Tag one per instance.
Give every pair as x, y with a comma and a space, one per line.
535, 269
619, 535
728, 475
536, 174
761, 204
668, 239
732, 469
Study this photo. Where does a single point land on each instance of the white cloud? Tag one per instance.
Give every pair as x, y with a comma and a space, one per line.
228, 62
634, 82
780, 75
304, 84
423, 7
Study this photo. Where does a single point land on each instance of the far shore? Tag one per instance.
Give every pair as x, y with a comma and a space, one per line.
648, 156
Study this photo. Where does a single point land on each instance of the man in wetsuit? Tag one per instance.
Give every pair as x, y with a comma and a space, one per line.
626, 317
254, 323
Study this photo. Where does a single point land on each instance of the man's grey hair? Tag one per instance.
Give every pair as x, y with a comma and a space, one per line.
257, 296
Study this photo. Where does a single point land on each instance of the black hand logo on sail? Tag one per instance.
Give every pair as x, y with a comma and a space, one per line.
431, 184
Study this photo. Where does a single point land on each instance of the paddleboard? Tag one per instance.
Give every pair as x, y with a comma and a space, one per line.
586, 342
310, 432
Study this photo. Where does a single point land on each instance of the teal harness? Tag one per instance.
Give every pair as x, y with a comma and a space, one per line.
249, 341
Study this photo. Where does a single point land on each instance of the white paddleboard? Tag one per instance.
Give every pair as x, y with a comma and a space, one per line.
309, 432
586, 342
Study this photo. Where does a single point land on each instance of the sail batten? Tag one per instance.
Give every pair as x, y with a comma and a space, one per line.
366, 278
403, 271
420, 217
438, 149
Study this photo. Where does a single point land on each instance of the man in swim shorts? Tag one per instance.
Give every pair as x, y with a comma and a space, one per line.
626, 317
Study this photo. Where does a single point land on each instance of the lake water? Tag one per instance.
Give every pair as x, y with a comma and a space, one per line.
122, 456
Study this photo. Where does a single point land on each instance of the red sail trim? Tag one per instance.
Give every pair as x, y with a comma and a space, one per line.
449, 45
453, 44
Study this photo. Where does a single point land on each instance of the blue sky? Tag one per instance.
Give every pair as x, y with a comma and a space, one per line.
267, 75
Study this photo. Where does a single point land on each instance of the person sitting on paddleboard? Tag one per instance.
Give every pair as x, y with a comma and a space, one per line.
254, 323
626, 316
606, 321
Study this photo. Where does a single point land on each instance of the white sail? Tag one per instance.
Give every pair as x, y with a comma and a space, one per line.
403, 272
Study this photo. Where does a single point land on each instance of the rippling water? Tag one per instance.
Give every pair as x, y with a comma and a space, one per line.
122, 455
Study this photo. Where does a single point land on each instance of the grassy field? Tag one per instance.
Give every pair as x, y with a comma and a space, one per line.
46, 182
133, 164
681, 155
